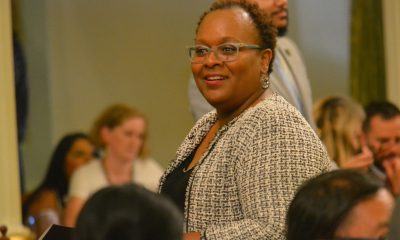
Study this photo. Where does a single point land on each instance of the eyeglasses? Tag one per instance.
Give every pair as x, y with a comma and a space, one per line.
226, 52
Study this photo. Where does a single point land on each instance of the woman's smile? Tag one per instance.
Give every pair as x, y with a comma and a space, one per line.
214, 80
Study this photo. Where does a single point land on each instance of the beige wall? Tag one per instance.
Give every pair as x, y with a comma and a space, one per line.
391, 19
85, 55
122, 51
323, 36
38, 142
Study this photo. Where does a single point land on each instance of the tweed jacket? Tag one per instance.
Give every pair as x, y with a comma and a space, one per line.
287, 50
242, 185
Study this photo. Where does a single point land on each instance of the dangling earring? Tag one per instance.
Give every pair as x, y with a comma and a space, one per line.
265, 81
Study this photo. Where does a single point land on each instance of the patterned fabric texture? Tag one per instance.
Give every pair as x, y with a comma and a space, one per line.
244, 182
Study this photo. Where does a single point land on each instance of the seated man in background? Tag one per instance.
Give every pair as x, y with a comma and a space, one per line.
342, 204
382, 133
128, 212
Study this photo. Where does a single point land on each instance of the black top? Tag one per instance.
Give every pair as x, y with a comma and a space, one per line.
176, 182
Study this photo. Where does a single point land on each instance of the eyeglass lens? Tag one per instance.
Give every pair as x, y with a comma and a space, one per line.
224, 52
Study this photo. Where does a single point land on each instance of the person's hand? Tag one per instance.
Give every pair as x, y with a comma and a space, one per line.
360, 161
191, 236
392, 169
387, 153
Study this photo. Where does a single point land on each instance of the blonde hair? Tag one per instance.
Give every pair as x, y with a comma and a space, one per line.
336, 118
114, 116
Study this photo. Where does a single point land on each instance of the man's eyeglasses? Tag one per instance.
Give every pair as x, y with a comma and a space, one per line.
226, 52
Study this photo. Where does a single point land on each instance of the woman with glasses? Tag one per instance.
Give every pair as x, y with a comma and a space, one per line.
238, 168
341, 205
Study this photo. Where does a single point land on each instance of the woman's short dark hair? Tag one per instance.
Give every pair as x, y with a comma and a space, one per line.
128, 212
56, 178
322, 203
266, 30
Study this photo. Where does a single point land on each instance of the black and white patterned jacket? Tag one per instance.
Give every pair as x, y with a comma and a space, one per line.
242, 186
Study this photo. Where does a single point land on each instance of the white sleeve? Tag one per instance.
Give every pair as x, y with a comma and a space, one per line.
79, 186
147, 172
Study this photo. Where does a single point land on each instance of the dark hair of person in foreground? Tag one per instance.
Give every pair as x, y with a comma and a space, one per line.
324, 202
128, 212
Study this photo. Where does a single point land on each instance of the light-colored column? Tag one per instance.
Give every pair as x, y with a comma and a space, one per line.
10, 199
391, 19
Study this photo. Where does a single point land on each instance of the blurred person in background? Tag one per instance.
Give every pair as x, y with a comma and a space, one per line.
382, 133
339, 125
120, 136
45, 205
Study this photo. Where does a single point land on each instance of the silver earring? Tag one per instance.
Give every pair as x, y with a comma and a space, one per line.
265, 81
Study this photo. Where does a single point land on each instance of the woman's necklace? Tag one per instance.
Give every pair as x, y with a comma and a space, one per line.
108, 177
